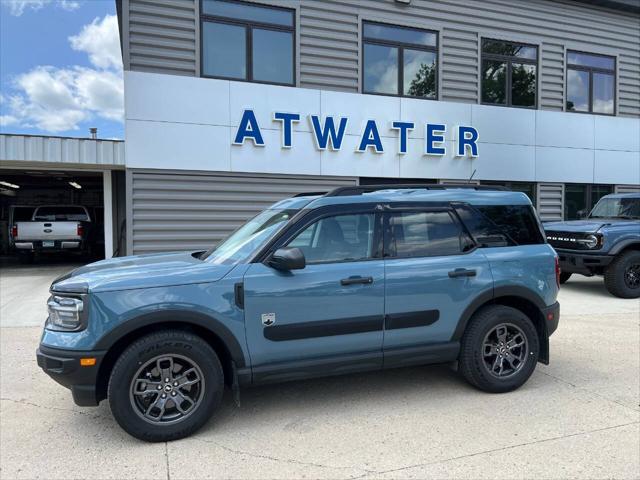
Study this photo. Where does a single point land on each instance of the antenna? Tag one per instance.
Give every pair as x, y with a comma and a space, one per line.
474, 172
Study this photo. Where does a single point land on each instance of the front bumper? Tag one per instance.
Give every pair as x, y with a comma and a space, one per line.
64, 367
584, 263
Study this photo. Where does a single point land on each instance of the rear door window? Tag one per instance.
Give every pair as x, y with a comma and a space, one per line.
424, 234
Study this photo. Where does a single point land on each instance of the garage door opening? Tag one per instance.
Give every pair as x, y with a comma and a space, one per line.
49, 216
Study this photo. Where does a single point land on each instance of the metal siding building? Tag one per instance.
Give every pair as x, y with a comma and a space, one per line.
188, 185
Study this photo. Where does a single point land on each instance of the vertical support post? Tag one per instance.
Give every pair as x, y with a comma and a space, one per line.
108, 213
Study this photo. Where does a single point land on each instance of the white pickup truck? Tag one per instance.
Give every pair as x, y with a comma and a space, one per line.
53, 228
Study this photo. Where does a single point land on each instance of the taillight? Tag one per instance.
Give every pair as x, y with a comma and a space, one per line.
14, 231
557, 271
80, 231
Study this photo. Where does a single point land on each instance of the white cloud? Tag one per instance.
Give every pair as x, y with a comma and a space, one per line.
69, 5
100, 40
18, 7
58, 99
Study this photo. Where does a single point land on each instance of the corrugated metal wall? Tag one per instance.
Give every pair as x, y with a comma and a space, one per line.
627, 188
84, 151
164, 38
550, 201
193, 211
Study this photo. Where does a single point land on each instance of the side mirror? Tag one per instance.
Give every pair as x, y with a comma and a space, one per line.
287, 258
582, 213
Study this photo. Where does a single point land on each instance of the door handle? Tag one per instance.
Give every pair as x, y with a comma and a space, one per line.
356, 280
462, 272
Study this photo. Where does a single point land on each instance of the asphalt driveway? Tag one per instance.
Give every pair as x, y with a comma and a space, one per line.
577, 418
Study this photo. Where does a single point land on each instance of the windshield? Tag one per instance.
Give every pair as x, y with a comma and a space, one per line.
241, 244
617, 208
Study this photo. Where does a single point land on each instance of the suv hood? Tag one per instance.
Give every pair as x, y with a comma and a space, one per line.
584, 226
142, 271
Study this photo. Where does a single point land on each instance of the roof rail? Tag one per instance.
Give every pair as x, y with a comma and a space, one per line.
361, 189
310, 194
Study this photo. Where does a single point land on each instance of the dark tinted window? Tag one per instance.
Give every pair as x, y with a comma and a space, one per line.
400, 34
424, 234
591, 83
224, 53
509, 72
340, 238
243, 11
399, 61
273, 56
518, 222
247, 42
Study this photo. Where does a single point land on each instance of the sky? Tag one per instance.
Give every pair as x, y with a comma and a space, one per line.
60, 68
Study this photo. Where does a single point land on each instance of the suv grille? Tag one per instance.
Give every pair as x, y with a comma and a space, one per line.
569, 240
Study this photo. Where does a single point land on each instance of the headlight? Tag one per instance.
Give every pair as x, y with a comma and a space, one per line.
65, 313
591, 241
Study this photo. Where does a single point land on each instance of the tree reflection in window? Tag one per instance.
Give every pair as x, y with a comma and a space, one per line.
400, 61
509, 73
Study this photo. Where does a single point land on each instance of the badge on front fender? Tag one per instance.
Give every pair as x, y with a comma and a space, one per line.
268, 319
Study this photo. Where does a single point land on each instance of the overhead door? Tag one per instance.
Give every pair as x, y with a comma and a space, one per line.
194, 211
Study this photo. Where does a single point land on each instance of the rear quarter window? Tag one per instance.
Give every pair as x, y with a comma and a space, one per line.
502, 225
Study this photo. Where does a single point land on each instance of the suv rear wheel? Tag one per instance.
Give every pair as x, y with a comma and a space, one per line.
499, 349
622, 277
165, 386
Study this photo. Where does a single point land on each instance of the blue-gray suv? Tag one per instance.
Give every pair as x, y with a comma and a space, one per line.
360, 278
606, 242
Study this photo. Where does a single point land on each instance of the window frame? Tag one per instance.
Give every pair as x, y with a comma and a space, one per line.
591, 71
248, 26
509, 59
400, 46
392, 209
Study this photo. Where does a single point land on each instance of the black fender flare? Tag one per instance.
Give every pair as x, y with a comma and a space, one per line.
617, 248
185, 317
492, 294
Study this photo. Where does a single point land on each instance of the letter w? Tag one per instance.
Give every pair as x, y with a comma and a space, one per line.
327, 132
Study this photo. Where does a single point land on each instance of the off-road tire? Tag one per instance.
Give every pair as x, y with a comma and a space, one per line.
614, 275
169, 342
564, 276
471, 359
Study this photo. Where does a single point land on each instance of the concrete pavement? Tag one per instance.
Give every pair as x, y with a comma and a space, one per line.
576, 418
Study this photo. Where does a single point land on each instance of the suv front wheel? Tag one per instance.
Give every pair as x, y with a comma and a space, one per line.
622, 277
165, 386
499, 349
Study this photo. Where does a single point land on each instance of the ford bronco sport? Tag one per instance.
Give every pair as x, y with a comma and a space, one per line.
360, 278
606, 243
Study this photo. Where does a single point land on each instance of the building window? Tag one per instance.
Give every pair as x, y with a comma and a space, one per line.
529, 189
509, 73
247, 42
579, 199
399, 61
591, 83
